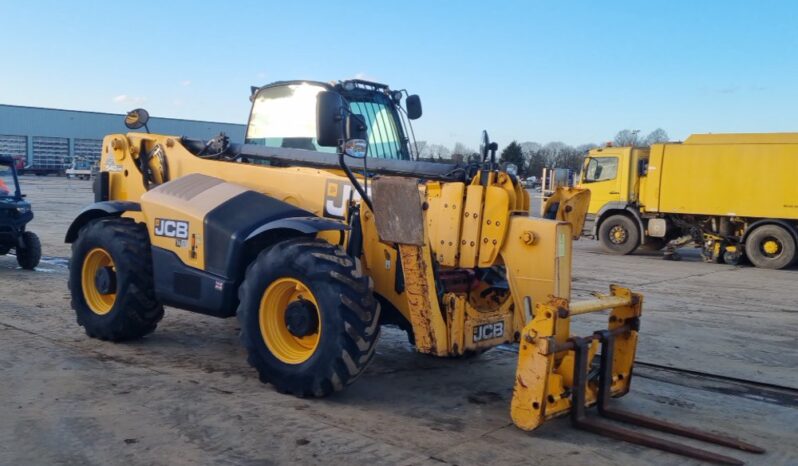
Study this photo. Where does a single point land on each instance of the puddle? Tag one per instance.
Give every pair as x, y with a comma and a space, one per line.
48, 260
57, 261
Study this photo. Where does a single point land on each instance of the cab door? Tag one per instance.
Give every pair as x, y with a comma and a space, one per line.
601, 177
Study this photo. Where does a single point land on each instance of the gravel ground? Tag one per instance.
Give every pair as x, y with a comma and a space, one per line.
185, 395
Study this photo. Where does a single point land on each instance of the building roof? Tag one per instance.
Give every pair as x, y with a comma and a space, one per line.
50, 122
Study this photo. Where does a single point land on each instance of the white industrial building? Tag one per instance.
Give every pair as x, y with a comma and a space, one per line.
49, 139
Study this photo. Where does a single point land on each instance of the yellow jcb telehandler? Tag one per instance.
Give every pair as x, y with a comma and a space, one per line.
322, 226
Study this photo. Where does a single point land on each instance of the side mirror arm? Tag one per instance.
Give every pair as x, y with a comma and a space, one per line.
355, 183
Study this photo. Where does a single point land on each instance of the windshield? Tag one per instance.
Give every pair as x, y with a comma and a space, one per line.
384, 140
7, 185
285, 116
601, 169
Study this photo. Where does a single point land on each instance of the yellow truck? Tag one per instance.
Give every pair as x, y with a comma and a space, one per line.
733, 195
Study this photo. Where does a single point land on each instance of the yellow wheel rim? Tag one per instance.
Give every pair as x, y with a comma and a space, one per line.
95, 260
771, 246
618, 234
283, 344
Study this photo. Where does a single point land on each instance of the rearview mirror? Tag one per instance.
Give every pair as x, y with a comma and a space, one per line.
356, 134
137, 118
329, 118
413, 104
642, 167
356, 148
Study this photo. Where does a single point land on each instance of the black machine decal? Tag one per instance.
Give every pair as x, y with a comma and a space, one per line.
171, 228
488, 331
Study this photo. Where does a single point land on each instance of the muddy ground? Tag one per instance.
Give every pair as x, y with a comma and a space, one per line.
185, 395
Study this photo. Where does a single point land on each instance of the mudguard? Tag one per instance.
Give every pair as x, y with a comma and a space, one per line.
99, 210
305, 225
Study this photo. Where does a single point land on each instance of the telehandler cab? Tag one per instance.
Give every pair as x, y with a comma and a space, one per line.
313, 253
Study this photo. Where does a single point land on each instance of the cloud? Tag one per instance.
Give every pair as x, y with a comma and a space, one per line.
185, 82
126, 99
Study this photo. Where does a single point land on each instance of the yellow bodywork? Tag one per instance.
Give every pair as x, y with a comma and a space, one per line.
467, 229
727, 175
731, 175
545, 369
625, 187
572, 204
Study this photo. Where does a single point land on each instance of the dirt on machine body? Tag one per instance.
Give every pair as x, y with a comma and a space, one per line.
313, 245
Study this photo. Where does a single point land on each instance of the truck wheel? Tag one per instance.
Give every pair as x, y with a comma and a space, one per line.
770, 247
110, 279
29, 257
733, 258
618, 234
309, 320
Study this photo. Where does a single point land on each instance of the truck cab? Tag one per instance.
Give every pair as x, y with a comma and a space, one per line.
615, 177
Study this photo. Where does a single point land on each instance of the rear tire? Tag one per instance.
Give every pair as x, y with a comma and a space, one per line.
770, 247
29, 257
618, 234
337, 347
131, 310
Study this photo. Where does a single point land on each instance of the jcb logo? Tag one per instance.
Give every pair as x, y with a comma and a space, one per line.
171, 228
337, 194
488, 331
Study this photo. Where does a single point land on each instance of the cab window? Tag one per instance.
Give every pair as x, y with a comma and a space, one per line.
601, 169
285, 116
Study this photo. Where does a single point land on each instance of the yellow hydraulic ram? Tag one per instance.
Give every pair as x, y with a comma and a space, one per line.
553, 377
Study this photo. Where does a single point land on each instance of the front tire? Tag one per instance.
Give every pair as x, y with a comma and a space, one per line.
618, 234
29, 257
309, 320
110, 279
770, 247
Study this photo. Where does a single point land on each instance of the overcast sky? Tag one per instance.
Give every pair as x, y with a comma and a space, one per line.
533, 71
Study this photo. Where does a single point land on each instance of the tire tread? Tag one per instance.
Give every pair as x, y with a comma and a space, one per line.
328, 266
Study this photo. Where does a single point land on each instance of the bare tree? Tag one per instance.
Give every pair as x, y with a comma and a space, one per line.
461, 150
657, 136
530, 157
435, 152
627, 138
529, 147
533, 160
420, 147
